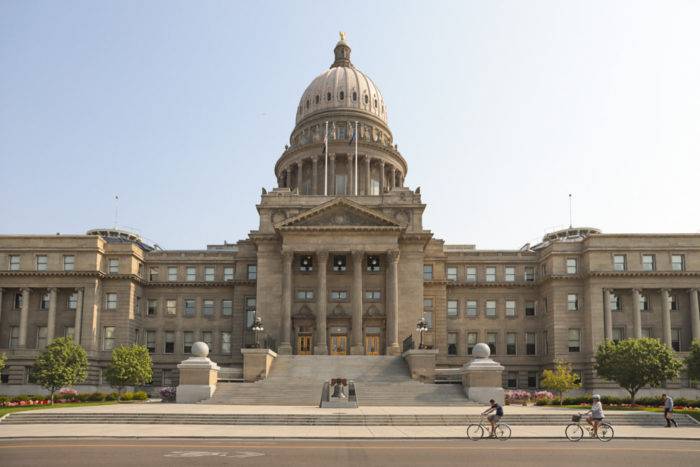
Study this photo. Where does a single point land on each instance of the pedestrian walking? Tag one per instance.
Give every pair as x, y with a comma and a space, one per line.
668, 411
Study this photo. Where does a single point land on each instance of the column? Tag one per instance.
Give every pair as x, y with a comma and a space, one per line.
51, 322
331, 175
300, 175
666, 317
607, 314
636, 313
392, 182
0, 305
382, 177
350, 186
368, 177
321, 301
694, 314
23, 319
283, 178
392, 303
315, 175
357, 347
78, 315
285, 346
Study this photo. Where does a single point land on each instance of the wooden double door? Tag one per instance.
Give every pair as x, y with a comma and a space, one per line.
339, 344
304, 344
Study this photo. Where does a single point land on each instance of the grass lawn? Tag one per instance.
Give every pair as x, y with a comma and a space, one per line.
695, 413
6, 410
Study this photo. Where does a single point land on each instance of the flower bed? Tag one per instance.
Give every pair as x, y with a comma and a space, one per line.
521, 396
70, 395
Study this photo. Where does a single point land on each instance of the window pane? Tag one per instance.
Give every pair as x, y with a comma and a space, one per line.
452, 307
490, 274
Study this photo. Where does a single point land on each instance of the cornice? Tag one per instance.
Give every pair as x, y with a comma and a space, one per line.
199, 284
644, 274
341, 228
98, 274
491, 285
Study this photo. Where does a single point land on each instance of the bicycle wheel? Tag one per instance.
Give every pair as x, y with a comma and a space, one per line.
502, 432
574, 432
475, 432
605, 432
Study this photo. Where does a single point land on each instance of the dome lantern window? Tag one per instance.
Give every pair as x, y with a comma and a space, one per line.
342, 95
354, 96
318, 99
328, 96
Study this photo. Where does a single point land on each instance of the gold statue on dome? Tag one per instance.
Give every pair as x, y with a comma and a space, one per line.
342, 36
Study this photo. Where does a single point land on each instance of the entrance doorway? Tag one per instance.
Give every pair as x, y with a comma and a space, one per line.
304, 344
339, 345
372, 344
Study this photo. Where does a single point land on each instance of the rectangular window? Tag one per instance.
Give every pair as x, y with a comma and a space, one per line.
225, 342
73, 301
673, 300
208, 309
512, 380
152, 309
151, 341
676, 339
14, 263
14, 337
111, 301
543, 269
471, 341
530, 343
138, 306
647, 332
340, 263
531, 379
529, 274
113, 266
510, 274
427, 303
451, 343
491, 308
648, 262
341, 184
171, 307
572, 302
571, 266
491, 274
208, 339
18, 300
69, 263
172, 274
228, 273
250, 307
491, 341
42, 263
152, 274
187, 341
305, 295
373, 263
618, 334
108, 338
191, 272
511, 343
252, 272
529, 308
226, 307
643, 302
451, 273
190, 307
677, 263
574, 340
619, 262
427, 272
452, 308
510, 308
614, 302
69, 331
471, 308
42, 333
45, 298
137, 336
428, 315
209, 274
471, 274
373, 295
338, 295
169, 342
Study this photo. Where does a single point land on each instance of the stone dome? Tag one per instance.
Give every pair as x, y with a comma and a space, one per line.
342, 87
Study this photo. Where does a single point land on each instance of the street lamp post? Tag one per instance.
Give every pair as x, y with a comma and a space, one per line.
257, 329
421, 327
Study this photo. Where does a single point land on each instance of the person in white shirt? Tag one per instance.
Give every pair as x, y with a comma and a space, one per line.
596, 414
668, 411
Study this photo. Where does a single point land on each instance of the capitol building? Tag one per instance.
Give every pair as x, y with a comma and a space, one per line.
341, 264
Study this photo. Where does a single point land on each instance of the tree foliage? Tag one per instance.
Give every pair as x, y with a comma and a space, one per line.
635, 363
130, 366
62, 363
692, 361
560, 380
3, 361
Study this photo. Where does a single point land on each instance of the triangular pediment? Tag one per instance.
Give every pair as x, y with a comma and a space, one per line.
339, 214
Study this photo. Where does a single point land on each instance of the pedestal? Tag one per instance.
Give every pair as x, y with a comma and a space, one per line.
282, 349
482, 378
357, 350
394, 350
198, 378
257, 363
421, 364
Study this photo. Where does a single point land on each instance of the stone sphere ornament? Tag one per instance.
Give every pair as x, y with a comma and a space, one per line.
200, 349
481, 350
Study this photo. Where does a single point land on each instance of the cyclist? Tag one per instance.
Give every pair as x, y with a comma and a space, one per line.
596, 414
493, 419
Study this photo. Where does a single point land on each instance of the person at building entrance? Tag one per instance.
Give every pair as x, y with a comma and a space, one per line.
494, 418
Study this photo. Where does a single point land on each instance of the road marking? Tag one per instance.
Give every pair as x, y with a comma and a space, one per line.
238, 455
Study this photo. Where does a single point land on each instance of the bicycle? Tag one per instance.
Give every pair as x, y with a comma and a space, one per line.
574, 431
477, 431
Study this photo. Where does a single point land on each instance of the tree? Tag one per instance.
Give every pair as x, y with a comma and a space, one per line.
3, 361
130, 366
635, 363
692, 362
62, 363
560, 380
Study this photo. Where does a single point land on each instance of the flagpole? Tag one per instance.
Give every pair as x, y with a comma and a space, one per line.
325, 165
356, 174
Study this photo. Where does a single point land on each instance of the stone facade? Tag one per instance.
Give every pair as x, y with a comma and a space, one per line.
341, 264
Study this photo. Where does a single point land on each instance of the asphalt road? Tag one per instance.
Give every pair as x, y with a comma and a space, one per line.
188, 452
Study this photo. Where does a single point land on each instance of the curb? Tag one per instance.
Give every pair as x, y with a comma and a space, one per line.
363, 438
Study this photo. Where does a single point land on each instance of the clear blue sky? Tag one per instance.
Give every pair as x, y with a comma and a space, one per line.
501, 109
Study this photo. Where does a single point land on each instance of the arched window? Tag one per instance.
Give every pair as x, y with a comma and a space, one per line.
354, 96
307, 103
375, 103
317, 99
342, 95
366, 98
328, 96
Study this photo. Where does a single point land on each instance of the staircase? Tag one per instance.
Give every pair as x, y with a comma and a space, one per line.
379, 381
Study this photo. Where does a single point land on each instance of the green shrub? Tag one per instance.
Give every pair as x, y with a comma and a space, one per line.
83, 397
543, 402
97, 396
4, 399
112, 396
140, 396
20, 398
127, 396
577, 400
